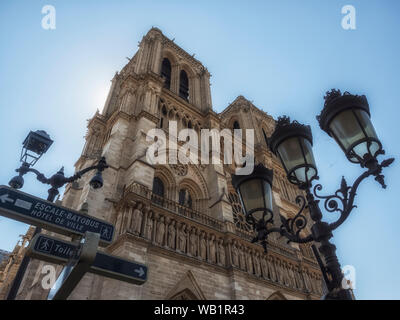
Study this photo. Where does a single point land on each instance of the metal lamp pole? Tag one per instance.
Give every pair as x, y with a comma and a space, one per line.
34, 146
345, 118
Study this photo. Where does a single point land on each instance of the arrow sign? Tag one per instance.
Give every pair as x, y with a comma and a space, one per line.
26, 208
4, 198
54, 250
140, 272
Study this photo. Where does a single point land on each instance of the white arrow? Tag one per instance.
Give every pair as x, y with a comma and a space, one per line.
140, 271
4, 198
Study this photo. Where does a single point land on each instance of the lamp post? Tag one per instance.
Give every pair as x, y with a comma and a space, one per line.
346, 118
34, 146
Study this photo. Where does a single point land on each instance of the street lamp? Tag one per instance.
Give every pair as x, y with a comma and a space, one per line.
34, 146
255, 194
347, 119
292, 142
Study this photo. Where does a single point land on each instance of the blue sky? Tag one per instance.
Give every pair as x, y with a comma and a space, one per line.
283, 55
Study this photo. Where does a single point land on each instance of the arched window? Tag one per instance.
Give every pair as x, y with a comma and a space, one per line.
185, 199
236, 125
158, 191
166, 72
183, 85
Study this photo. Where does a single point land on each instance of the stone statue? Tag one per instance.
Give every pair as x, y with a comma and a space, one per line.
212, 249
307, 283
221, 252
160, 232
137, 219
249, 262
203, 246
286, 279
171, 235
298, 278
272, 270
292, 280
182, 239
149, 226
264, 268
256, 261
235, 255
242, 259
193, 242
279, 271
314, 285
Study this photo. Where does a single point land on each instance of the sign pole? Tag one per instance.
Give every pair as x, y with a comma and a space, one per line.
77, 267
26, 208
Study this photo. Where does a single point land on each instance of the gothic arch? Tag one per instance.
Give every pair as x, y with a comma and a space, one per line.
168, 179
192, 187
189, 71
277, 295
187, 288
171, 57
185, 294
234, 119
202, 181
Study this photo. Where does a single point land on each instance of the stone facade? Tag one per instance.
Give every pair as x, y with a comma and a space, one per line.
191, 231
10, 264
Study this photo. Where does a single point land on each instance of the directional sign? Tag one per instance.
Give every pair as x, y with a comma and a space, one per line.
120, 269
26, 208
54, 250
77, 267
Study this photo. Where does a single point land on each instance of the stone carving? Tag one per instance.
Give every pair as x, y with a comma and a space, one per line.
137, 219
179, 169
249, 262
272, 270
235, 255
182, 236
160, 232
203, 246
221, 252
171, 235
149, 226
286, 279
256, 261
307, 283
298, 278
264, 268
291, 276
316, 288
193, 242
242, 259
212, 249
279, 271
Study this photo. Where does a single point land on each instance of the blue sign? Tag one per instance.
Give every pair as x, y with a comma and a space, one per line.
26, 208
53, 250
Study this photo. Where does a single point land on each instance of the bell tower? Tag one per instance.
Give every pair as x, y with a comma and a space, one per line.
182, 220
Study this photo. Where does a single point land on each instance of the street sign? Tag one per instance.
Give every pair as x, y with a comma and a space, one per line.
77, 267
26, 208
51, 249
120, 269
54, 250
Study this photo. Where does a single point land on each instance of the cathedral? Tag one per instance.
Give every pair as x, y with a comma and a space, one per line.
184, 221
